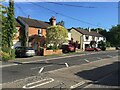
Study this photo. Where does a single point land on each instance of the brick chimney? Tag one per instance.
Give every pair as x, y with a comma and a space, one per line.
52, 21
97, 31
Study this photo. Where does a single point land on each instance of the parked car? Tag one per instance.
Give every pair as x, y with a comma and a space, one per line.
68, 48
92, 49
24, 51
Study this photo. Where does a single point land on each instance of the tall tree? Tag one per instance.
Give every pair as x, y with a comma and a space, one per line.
8, 29
11, 23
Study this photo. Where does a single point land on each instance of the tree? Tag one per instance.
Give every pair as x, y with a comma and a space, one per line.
102, 45
56, 35
8, 29
114, 35
62, 23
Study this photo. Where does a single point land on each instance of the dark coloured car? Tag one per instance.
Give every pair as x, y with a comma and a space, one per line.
24, 51
117, 48
92, 49
68, 48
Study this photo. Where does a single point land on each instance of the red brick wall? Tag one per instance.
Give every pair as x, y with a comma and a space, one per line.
50, 52
33, 31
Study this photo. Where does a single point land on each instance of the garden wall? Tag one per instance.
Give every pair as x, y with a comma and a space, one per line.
51, 52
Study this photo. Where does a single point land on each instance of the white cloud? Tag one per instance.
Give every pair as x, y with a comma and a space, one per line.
65, 0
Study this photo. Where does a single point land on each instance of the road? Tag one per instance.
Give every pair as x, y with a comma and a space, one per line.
22, 71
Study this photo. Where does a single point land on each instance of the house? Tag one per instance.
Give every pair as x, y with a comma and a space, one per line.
85, 37
31, 32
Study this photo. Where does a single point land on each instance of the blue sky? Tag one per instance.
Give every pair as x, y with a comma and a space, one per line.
104, 14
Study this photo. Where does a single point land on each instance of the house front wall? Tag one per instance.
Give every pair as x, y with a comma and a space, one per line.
34, 31
76, 36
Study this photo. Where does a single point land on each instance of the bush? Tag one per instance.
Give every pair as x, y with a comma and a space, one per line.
5, 56
102, 45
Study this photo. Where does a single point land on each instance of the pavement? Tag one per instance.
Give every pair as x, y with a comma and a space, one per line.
68, 77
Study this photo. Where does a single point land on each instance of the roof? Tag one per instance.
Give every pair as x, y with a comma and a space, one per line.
17, 23
34, 22
85, 32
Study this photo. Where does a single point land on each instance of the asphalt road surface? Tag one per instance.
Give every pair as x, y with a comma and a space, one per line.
22, 71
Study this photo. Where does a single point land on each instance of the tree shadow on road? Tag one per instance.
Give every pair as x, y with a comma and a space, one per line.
100, 74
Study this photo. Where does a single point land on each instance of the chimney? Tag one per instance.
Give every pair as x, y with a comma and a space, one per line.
97, 31
52, 21
89, 29
29, 16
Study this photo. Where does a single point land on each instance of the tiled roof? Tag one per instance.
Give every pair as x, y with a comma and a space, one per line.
34, 22
85, 32
17, 23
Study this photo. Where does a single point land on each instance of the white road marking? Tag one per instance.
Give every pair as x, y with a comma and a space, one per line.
77, 85
41, 70
38, 83
109, 56
66, 64
86, 60
99, 58
0, 86
2, 66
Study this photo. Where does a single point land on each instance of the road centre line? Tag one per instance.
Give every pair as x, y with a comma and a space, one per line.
36, 84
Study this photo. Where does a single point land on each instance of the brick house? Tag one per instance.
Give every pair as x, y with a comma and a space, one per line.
32, 32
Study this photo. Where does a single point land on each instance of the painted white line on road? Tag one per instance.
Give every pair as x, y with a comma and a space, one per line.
109, 56
99, 58
41, 70
77, 85
38, 83
66, 64
2, 66
86, 60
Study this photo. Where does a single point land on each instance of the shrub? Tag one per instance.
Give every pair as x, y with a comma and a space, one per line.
5, 56
102, 45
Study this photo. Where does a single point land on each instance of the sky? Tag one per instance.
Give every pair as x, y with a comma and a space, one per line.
74, 14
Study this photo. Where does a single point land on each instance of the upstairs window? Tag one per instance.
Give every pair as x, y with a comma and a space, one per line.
86, 37
40, 32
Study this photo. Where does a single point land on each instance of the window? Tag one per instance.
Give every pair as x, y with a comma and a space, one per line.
40, 32
98, 38
87, 37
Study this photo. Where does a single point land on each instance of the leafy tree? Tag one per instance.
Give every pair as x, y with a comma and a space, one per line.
102, 45
114, 35
62, 23
56, 35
